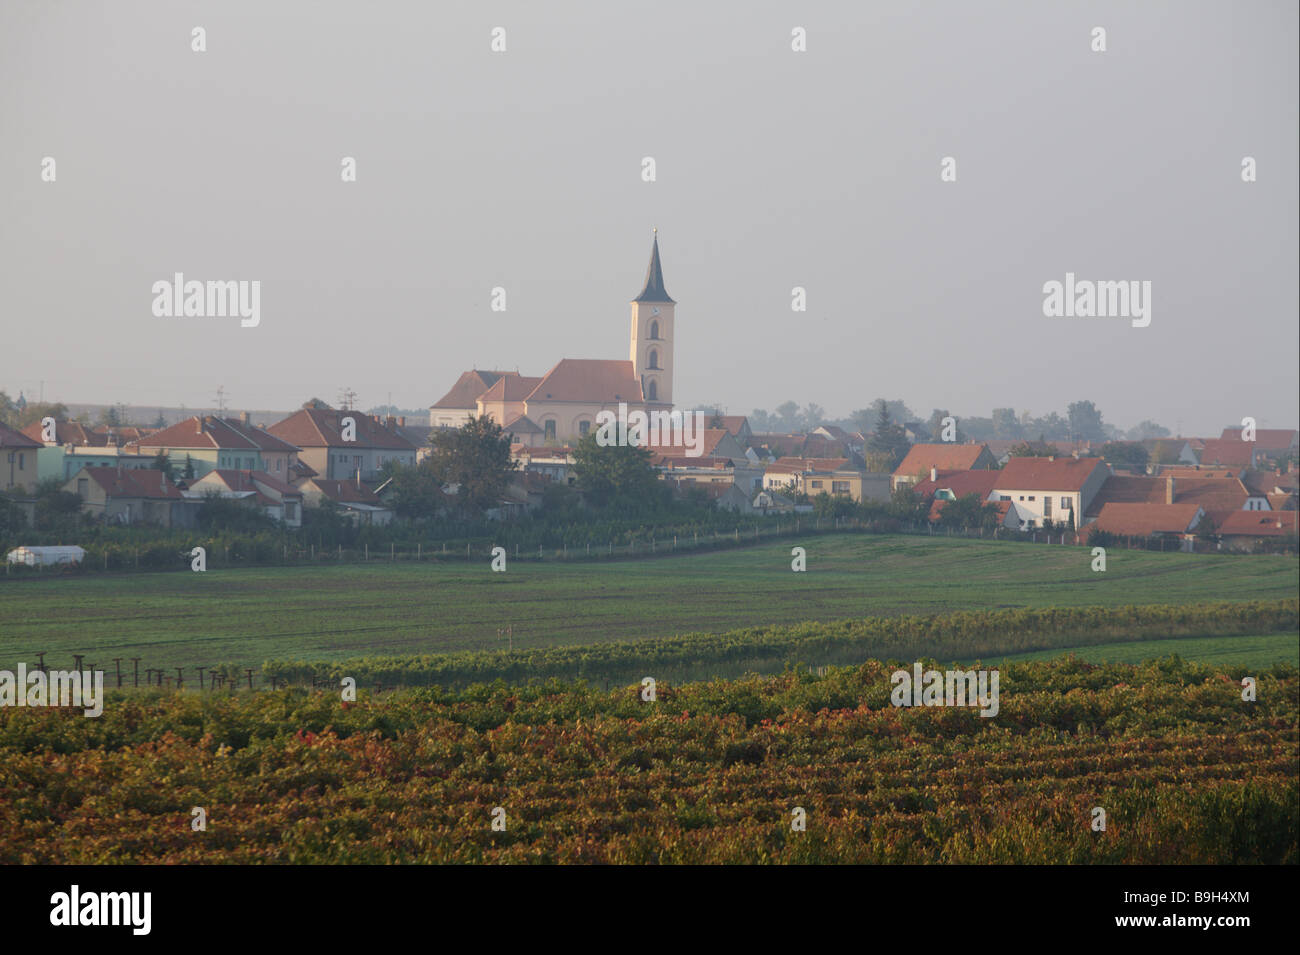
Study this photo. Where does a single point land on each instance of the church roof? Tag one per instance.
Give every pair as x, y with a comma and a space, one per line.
510, 387
654, 280
468, 387
589, 379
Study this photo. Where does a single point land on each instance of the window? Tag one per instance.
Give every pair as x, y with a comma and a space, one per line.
584, 427
548, 428
816, 483
1031, 497
654, 331
1004, 497
654, 360
1065, 504
21, 458
654, 392
83, 488
839, 487
1022, 497
1047, 507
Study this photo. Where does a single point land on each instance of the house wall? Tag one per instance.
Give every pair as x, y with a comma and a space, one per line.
19, 469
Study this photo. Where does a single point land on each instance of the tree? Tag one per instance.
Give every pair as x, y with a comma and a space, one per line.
813, 415
888, 438
476, 458
417, 492
188, 472
1125, 454
760, 420
862, 420
161, 462
1005, 424
935, 426
615, 474
41, 409
110, 416
1034, 449
1146, 429
787, 414
1085, 422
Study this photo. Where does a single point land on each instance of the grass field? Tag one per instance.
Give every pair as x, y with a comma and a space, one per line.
338, 612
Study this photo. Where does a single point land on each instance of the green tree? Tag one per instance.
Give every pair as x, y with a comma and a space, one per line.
888, 438
416, 490
161, 462
1125, 454
41, 409
614, 474
476, 459
1085, 422
1034, 449
1006, 425
188, 472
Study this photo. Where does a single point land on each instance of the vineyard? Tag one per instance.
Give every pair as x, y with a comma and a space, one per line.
1184, 769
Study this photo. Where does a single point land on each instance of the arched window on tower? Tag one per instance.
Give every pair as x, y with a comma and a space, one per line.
654, 331
653, 391
653, 362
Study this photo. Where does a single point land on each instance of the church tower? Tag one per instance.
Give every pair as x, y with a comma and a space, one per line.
652, 336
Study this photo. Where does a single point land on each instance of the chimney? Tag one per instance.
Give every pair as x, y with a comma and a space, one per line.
402, 421
1169, 490
244, 418
934, 474
198, 423
1051, 457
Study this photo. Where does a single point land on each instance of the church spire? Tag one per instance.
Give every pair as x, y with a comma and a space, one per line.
654, 279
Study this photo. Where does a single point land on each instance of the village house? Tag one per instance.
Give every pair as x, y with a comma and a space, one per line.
276, 498
18, 468
923, 459
354, 500
209, 442
1052, 488
132, 496
320, 437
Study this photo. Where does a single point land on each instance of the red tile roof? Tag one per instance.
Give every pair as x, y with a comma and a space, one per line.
961, 483
603, 381
346, 492
1143, 520
921, 458
510, 387
1258, 524
464, 393
1231, 451
207, 432
9, 438
243, 480
68, 432
313, 428
1266, 439
1047, 474
1211, 493
131, 482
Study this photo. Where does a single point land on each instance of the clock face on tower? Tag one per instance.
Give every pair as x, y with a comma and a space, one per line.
654, 311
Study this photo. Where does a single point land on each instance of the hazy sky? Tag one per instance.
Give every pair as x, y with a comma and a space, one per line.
775, 169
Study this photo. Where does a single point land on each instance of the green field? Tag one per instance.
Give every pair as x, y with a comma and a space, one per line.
339, 612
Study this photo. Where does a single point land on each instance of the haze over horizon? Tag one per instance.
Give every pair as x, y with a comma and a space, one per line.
775, 169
